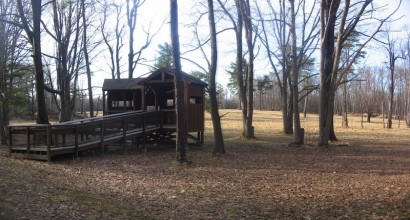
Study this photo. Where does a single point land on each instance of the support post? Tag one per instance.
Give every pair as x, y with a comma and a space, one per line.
49, 142
143, 131
124, 134
28, 138
10, 140
76, 141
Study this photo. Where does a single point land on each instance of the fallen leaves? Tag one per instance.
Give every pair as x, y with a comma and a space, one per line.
256, 179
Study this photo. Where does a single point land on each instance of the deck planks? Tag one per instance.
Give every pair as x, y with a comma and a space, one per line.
42, 142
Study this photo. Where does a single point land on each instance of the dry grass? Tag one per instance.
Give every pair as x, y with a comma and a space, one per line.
364, 176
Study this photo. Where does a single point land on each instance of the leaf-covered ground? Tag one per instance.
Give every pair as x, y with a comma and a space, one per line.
364, 176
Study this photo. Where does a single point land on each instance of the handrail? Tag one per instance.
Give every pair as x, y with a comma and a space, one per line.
94, 131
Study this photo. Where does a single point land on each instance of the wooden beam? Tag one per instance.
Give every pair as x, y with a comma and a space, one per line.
143, 107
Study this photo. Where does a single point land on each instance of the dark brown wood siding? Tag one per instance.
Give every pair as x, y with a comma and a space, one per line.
196, 91
195, 120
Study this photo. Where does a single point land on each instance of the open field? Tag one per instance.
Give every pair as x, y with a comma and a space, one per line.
364, 176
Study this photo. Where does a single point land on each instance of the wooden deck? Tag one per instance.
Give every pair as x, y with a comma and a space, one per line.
42, 142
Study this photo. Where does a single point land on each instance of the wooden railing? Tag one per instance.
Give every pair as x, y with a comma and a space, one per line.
37, 141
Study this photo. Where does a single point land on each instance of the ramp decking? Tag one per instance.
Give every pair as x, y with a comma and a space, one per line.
42, 142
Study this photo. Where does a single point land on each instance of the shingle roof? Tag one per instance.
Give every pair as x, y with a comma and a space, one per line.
134, 83
122, 84
190, 78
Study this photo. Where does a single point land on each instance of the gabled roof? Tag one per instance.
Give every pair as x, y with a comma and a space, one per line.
135, 83
121, 84
186, 76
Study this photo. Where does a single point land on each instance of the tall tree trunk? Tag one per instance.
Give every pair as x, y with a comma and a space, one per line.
391, 65
219, 146
67, 54
408, 102
3, 70
35, 41
298, 134
345, 121
305, 106
287, 103
369, 116
131, 20
328, 17
246, 15
179, 86
87, 60
239, 65
391, 99
286, 110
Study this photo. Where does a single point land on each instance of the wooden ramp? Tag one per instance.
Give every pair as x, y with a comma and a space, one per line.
42, 142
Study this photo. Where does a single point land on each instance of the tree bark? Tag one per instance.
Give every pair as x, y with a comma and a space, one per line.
298, 134
239, 65
3, 86
391, 96
246, 15
87, 60
131, 22
179, 86
219, 146
345, 120
35, 41
305, 106
67, 35
328, 16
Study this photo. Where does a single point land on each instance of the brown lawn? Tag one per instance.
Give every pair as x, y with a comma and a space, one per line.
364, 176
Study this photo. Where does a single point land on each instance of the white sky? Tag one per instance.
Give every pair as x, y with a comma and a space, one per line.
156, 11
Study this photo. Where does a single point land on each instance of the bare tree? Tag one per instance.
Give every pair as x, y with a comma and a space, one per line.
209, 73
280, 55
219, 146
242, 21
406, 52
86, 58
391, 48
344, 17
135, 57
247, 98
132, 12
12, 56
276, 37
33, 32
66, 34
118, 32
298, 132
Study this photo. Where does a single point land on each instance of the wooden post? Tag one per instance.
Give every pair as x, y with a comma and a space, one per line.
143, 131
102, 135
187, 109
28, 138
104, 107
76, 141
161, 118
49, 136
82, 133
134, 102
143, 97
10, 139
124, 134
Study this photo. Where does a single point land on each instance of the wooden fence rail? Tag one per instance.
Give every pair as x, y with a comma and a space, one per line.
42, 142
